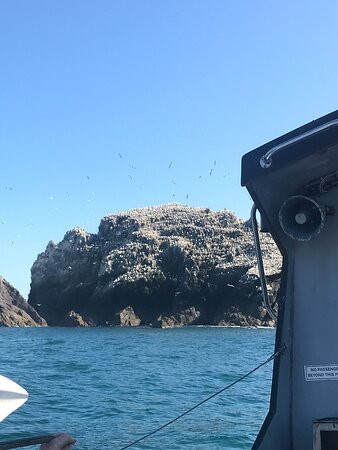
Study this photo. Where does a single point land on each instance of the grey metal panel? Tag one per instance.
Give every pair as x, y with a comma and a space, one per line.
309, 326
316, 330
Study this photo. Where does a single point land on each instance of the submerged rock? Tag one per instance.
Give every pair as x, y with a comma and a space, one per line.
14, 309
164, 266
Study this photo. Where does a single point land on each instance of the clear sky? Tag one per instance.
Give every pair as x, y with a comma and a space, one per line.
109, 105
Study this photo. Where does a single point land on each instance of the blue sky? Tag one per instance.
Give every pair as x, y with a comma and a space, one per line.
110, 105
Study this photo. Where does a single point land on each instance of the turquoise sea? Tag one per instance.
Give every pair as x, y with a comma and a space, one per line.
109, 386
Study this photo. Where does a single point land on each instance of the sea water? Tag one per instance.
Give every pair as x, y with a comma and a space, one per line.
109, 386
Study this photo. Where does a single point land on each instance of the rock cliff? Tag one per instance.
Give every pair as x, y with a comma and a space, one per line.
14, 310
162, 266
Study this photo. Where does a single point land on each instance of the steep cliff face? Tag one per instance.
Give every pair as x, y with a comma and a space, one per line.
163, 266
14, 310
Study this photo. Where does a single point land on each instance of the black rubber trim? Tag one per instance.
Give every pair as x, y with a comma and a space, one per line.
276, 365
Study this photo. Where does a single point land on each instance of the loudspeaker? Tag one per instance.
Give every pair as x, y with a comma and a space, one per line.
301, 218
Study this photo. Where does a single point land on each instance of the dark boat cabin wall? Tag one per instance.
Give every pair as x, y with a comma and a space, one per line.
293, 181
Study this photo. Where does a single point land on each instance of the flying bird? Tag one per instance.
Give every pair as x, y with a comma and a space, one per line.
171, 163
211, 172
119, 155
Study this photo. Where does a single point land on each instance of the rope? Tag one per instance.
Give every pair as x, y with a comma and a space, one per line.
271, 358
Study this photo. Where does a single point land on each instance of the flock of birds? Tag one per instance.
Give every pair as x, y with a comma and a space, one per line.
88, 178
173, 182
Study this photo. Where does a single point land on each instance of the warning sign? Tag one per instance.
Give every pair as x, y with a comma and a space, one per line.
321, 373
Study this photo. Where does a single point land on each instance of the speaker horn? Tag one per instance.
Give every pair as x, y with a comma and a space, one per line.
301, 218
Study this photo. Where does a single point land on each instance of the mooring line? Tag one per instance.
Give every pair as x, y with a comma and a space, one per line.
271, 358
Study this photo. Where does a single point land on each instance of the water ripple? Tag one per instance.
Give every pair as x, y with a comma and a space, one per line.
110, 386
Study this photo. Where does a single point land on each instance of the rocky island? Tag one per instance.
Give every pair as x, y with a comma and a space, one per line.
14, 309
163, 266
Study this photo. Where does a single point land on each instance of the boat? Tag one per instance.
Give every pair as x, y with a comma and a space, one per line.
293, 181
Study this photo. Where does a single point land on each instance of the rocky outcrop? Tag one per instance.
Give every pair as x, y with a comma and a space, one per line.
188, 316
73, 319
14, 309
162, 266
127, 318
